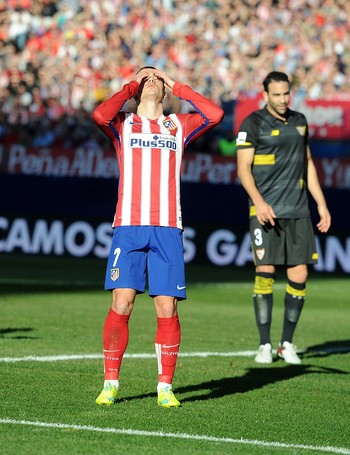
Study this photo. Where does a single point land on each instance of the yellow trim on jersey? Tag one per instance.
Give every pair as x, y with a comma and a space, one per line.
243, 143
252, 211
314, 256
263, 285
297, 292
264, 159
301, 183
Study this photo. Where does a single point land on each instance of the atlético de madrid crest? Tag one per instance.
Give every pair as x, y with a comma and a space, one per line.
114, 274
169, 124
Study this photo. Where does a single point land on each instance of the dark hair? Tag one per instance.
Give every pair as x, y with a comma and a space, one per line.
275, 76
145, 67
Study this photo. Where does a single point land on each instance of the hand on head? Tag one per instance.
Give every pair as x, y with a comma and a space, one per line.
168, 82
149, 73
144, 74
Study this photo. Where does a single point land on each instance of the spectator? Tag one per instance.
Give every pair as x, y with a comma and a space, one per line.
79, 52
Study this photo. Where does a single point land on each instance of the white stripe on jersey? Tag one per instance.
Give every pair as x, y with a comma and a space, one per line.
127, 163
164, 184
164, 188
146, 177
180, 138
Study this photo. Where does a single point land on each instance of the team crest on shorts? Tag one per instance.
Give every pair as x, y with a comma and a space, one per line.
114, 274
260, 253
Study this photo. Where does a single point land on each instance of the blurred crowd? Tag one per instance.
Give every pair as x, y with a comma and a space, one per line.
58, 59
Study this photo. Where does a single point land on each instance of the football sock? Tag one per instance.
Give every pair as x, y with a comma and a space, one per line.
263, 302
293, 304
113, 382
167, 344
115, 341
162, 385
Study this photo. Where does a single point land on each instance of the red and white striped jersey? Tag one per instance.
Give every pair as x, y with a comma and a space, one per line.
150, 154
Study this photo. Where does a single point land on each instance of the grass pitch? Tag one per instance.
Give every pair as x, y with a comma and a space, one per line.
51, 372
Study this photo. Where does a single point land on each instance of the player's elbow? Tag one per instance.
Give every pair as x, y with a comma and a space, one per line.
240, 174
243, 171
97, 116
219, 115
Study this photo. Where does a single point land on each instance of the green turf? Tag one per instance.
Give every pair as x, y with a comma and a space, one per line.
222, 397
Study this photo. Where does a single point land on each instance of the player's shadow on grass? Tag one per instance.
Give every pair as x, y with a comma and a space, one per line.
253, 379
14, 333
327, 348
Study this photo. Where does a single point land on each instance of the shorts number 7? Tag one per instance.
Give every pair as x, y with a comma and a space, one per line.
116, 254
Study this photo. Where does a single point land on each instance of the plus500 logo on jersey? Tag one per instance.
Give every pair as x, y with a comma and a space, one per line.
159, 141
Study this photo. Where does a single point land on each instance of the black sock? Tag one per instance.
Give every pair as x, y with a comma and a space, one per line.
263, 315
293, 305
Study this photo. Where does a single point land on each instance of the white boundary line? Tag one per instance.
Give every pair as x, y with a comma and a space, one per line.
194, 437
330, 449
64, 357
56, 358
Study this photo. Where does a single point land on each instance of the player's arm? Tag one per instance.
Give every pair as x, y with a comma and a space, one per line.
208, 113
107, 111
316, 192
264, 211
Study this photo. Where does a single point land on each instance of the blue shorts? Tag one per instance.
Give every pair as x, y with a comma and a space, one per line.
154, 251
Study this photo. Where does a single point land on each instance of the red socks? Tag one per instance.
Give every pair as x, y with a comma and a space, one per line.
115, 341
167, 344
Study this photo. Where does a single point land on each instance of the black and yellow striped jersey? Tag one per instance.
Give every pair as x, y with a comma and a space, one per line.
280, 161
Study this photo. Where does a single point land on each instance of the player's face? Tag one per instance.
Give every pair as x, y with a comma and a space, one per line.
152, 85
277, 98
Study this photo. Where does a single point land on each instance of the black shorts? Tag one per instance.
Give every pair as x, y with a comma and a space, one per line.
290, 242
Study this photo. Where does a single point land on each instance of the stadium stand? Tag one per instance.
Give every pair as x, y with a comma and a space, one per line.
58, 59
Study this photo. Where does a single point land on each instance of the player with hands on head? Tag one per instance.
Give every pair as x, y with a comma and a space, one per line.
147, 237
276, 169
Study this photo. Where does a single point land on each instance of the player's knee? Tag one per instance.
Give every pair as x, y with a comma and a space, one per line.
121, 305
166, 307
298, 274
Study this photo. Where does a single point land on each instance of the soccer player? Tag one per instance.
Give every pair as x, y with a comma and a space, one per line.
277, 171
147, 238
